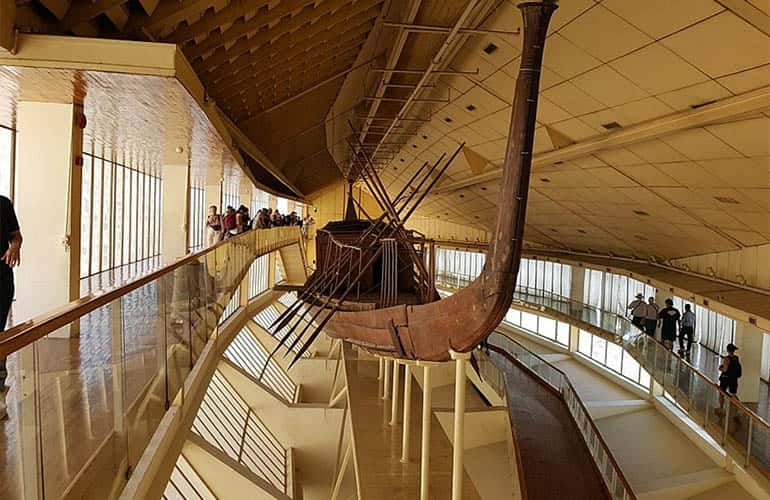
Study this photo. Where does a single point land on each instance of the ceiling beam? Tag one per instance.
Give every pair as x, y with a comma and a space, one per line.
237, 10
57, 7
296, 82
749, 102
293, 82
84, 10
252, 150
307, 15
172, 12
320, 31
299, 55
313, 87
239, 26
149, 6
118, 16
271, 84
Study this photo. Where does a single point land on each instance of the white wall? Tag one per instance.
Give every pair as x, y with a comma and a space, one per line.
749, 263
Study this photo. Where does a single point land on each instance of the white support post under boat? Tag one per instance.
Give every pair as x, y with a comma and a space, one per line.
458, 444
386, 380
341, 473
427, 414
380, 368
407, 413
394, 399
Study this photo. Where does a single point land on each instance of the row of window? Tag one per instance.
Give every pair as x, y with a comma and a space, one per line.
608, 354
120, 216
604, 290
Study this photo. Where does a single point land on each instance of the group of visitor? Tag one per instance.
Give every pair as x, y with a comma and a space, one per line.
648, 317
220, 226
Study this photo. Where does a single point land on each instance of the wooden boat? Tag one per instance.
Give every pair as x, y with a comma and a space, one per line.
418, 326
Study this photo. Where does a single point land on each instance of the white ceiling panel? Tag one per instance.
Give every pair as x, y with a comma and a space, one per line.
603, 34
656, 69
721, 45
660, 18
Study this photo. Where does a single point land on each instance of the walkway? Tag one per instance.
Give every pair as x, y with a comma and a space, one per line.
656, 457
555, 462
754, 303
703, 359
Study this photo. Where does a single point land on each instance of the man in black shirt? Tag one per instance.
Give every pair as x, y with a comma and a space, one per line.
669, 317
10, 256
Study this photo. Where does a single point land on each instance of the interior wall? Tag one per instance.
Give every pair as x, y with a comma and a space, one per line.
329, 204
747, 265
445, 230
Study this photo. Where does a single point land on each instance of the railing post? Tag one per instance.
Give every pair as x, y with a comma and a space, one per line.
394, 399
458, 445
386, 380
427, 414
727, 421
748, 443
407, 420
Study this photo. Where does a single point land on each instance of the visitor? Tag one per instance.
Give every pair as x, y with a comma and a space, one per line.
213, 226
229, 223
686, 329
670, 317
730, 370
10, 249
638, 310
242, 221
651, 312
275, 218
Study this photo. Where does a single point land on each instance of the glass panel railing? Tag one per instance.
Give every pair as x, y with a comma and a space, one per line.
610, 471
695, 393
91, 382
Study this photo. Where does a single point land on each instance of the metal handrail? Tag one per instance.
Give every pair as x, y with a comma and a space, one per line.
642, 335
623, 342
29, 331
566, 381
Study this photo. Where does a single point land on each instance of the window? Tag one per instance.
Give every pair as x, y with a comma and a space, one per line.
551, 329
7, 160
196, 236
613, 357
120, 217
230, 195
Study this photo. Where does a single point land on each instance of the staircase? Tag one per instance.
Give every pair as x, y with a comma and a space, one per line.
293, 264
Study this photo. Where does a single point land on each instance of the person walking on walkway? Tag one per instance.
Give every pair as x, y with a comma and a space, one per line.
651, 312
686, 329
730, 370
637, 308
669, 317
10, 250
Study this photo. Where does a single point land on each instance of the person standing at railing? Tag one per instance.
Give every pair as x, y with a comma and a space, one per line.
10, 249
651, 311
686, 329
213, 226
638, 309
730, 370
669, 317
